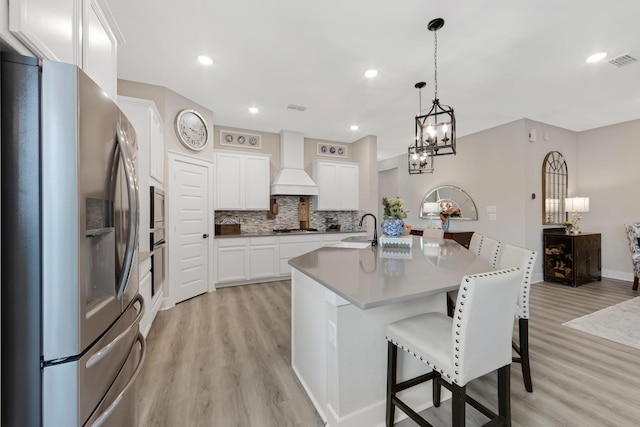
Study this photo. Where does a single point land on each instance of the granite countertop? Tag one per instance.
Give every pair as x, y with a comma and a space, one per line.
377, 276
293, 233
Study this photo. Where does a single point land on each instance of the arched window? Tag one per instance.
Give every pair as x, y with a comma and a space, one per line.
554, 188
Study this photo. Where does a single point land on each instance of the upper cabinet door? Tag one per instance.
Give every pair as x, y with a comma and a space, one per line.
348, 175
337, 186
49, 29
156, 146
229, 181
79, 32
256, 176
100, 46
242, 181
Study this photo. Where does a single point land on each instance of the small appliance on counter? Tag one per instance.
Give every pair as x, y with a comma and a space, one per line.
227, 225
331, 224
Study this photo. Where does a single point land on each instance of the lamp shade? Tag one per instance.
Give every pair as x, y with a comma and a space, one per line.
576, 204
430, 207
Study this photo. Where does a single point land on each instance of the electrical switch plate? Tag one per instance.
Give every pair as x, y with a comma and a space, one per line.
493, 217
492, 209
533, 135
332, 334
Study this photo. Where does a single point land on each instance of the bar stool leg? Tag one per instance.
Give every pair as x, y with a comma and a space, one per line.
458, 400
504, 393
392, 359
436, 389
523, 325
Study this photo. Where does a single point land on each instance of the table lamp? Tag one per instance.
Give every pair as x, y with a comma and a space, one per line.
576, 205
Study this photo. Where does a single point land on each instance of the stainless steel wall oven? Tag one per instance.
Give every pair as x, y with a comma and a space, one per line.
158, 243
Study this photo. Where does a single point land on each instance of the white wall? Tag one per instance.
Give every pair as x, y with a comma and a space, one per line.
609, 159
500, 167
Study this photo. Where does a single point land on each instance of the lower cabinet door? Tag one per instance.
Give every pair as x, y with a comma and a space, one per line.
264, 262
232, 263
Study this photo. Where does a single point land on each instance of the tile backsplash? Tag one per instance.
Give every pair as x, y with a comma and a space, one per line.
258, 221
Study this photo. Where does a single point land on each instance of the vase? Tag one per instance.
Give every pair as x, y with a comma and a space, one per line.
392, 227
445, 224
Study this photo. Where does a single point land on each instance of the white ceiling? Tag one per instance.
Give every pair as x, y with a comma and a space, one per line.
498, 61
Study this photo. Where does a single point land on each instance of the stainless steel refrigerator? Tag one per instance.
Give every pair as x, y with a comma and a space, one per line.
70, 308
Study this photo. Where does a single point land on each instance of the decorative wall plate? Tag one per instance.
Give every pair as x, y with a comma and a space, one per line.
332, 150
239, 139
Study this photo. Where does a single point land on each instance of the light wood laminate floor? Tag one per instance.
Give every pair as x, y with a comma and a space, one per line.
223, 359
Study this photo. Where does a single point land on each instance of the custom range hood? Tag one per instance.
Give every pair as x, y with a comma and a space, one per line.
292, 180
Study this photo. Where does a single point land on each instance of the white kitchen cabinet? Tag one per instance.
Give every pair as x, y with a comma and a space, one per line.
263, 257
79, 32
49, 29
242, 259
337, 185
156, 147
144, 273
293, 246
144, 116
242, 181
232, 258
100, 46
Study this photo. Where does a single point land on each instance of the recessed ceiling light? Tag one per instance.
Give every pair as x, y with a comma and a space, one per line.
253, 110
354, 127
205, 60
597, 57
371, 73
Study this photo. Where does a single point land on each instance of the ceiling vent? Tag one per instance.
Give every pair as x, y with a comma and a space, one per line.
296, 107
622, 60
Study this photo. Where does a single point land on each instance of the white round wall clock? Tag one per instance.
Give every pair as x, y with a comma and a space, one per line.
191, 129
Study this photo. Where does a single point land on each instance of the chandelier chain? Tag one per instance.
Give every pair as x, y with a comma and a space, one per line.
435, 63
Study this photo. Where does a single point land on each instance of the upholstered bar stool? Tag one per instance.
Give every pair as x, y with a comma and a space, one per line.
525, 259
475, 243
475, 342
488, 249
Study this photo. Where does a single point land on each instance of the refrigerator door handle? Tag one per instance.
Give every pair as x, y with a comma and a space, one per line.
134, 215
107, 412
104, 352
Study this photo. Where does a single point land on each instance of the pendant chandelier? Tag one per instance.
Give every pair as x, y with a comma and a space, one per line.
420, 153
436, 130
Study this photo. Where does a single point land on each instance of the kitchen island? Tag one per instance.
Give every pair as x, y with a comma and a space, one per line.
342, 299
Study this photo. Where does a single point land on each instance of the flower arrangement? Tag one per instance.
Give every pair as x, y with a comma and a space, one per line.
446, 211
393, 208
572, 226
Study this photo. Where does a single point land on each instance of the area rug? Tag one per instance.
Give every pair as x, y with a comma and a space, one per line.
618, 323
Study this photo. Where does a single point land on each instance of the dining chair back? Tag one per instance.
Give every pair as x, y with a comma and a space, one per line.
475, 243
490, 250
525, 259
476, 341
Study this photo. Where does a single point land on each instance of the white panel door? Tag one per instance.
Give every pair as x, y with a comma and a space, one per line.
189, 198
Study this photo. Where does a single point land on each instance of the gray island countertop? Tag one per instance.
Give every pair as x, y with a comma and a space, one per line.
377, 276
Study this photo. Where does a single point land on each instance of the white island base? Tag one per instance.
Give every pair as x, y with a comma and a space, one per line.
339, 353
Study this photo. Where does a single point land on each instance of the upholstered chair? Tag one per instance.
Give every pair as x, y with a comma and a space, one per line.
633, 234
487, 248
490, 250
524, 259
475, 243
475, 342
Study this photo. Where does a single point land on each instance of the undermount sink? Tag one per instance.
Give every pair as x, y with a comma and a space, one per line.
351, 245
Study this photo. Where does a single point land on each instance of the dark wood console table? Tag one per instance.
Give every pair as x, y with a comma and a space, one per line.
462, 237
573, 259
